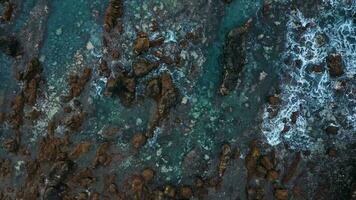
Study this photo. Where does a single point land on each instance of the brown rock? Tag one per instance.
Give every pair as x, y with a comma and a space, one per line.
274, 100
332, 130
2, 117
9, 9
335, 65
266, 163
185, 192
137, 184
76, 121
34, 115
79, 150
138, 140
332, 152
281, 194
5, 168
143, 67
84, 178
50, 149
166, 100
112, 14
104, 69
224, 159
142, 44
148, 174
272, 175
12, 145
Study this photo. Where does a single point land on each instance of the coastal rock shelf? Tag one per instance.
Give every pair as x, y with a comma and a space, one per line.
177, 99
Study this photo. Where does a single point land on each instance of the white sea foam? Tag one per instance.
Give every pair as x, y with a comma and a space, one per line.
314, 92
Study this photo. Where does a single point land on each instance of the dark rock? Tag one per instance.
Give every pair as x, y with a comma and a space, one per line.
142, 44
122, 86
10, 46
332, 130
143, 67
234, 58
112, 14
185, 192
335, 65
9, 9
5, 168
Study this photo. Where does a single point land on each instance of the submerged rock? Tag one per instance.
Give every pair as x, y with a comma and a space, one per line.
234, 58
123, 86
10, 46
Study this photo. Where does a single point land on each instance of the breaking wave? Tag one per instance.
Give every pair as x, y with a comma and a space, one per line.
308, 42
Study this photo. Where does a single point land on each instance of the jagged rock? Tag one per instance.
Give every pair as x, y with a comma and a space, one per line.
164, 92
112, 14
234, 58
77, 83
143, 67
335, 65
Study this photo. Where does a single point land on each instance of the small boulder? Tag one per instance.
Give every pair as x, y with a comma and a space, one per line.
335, 65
